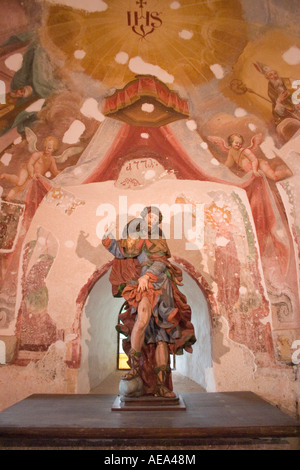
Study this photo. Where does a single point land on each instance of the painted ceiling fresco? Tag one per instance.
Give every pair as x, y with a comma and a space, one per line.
154, 94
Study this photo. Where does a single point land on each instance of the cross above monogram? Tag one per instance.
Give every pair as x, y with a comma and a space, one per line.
141, 3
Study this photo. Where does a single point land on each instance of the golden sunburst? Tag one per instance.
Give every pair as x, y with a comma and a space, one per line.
182, 38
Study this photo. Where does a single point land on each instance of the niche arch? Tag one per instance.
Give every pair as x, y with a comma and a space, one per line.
97, 316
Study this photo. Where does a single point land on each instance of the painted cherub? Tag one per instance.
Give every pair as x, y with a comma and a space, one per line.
39, 163
245, 158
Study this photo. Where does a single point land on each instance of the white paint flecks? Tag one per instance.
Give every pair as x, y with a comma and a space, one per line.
175, 5
150, 174
243, 290
222, 241
6, 158
268, 147
78, 171
139, 66
191, 125
88, 5
148, 107
121, 57
42, 241
186, 34
215, 162
36, 106
79, 54
145, 135
14, 62
292, 56
73, 134
217, 70
18, 140
252, 126
240, 112
90, 109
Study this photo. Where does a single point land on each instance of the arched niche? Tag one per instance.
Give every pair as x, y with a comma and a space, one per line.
81, 260
98, 340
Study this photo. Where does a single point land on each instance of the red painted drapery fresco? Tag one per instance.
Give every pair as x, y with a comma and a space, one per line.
164, 146
141, 88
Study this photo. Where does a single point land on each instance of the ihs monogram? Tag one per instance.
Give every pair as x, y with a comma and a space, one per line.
143, 23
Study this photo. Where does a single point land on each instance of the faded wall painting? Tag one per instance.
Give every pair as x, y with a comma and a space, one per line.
110, 106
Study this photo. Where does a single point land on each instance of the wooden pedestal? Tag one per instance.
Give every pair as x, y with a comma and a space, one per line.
149, 403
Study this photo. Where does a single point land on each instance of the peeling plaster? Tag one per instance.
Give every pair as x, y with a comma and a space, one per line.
239, 345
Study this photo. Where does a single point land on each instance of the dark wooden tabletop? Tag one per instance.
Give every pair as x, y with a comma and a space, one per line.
230, 414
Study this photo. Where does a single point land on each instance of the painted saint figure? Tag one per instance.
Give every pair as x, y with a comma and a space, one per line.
157, 321
285, 110
280, 92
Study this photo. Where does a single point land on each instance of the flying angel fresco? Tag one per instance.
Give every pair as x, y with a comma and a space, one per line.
245, 158
39, 163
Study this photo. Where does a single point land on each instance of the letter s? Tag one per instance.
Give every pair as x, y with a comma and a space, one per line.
296, 94
296, 354
155, 17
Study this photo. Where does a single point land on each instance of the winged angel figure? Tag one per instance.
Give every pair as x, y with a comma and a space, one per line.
245, 158
39, 163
